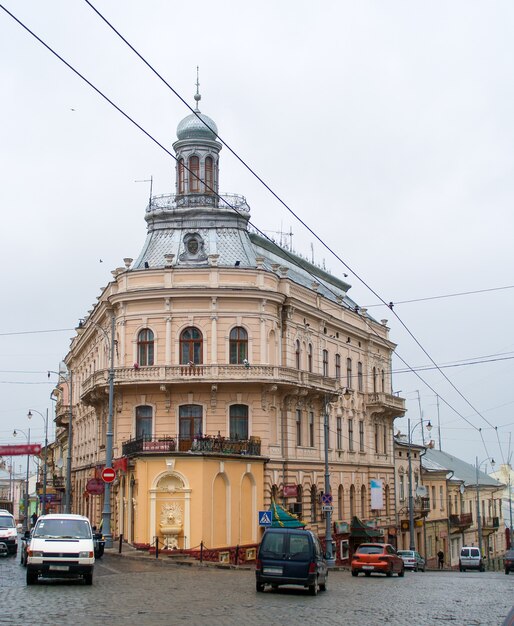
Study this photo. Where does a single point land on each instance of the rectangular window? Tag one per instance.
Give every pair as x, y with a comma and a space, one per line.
298, 427
349, 373
402, 487
325, 362
360, 383
441, 499
338, 366
311, 429
144, 421
385, 438
361, 435
339, 433
377, 439
350, 435
239, 421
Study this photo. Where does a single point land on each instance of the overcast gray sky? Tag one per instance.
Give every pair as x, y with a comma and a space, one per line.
386, 126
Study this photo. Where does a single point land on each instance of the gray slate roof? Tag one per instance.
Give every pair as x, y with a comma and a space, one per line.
436, 460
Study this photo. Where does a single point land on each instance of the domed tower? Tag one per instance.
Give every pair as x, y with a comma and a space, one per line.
197, 151
197, 226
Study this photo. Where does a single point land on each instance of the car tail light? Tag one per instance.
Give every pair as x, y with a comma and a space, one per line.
312, 567
258, 564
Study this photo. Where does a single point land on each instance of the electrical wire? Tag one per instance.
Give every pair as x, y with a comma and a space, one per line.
449, 295
304, 224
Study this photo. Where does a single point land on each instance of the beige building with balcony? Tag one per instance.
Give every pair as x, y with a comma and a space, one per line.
228, 351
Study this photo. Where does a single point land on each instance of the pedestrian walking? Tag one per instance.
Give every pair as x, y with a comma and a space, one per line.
440, 559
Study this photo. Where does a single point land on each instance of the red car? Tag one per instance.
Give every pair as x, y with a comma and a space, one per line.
377, 557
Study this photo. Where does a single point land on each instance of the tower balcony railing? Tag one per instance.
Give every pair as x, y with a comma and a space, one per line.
202, 444
170, 202
212, 374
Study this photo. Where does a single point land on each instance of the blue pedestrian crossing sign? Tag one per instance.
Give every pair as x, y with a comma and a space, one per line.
264, 518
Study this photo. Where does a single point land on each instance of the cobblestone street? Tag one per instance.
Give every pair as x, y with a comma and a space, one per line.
138, 591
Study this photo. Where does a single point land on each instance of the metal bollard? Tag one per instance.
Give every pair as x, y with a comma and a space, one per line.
236, 556
201, 551
157, 547
121, 543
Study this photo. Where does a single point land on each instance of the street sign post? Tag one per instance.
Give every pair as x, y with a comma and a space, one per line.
326, 499
108, 474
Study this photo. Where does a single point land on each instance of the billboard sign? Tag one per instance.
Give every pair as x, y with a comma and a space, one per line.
21, 449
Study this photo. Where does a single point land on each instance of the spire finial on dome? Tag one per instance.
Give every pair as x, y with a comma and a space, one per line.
198, 97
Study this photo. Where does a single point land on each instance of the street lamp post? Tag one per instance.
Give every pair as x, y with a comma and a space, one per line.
328, 525
45, 466
66, 375
106, 512
26, 496
412, 545
479, 521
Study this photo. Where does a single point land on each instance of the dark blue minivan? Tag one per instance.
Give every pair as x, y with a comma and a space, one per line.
291, 556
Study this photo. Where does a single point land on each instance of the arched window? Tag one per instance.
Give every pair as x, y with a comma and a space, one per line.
383, 381
387, 501
145, 347
325, 362
349, 374
364, 508
375, 380
340, 502
314, 503
194, 174
238, 340
352, 501
191, 346
209, 178
309, 357
144, 420
297, 354
181, 183
360, 384
239, 421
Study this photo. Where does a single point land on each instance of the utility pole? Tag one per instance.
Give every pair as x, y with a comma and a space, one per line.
328, 519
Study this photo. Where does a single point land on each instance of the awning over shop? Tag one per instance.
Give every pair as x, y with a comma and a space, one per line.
359, 530
280, 518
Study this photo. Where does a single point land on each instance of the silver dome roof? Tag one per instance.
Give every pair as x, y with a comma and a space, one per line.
191, 127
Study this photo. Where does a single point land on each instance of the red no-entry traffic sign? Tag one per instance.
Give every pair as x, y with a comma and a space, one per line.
108, 474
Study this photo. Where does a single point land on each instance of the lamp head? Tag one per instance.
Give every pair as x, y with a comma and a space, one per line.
493, 463
429, 426
29, 414
14, 433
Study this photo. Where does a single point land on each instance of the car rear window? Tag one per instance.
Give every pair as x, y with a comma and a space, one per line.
474, 552
370, 550
273, 545
299, 547
408, 553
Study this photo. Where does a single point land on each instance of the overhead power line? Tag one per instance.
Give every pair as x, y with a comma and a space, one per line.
268, 188
448, 295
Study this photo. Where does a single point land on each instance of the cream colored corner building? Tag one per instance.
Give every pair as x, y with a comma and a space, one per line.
228, 349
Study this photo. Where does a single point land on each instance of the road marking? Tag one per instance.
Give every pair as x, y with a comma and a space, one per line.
111, 569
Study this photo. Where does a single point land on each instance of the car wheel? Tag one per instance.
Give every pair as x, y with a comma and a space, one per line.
368, 574
355, 572
461, 569
507, 571
389, 572
481, 568
313, 589
259, 587
415, 568
401, 573
31, 577
88, 578
323, 586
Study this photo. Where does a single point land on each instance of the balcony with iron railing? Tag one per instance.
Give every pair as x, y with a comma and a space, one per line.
211, 374
490, 524
202, 444
461, 522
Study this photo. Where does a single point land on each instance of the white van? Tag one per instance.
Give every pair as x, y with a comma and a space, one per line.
470, 559
60, 546
8, 533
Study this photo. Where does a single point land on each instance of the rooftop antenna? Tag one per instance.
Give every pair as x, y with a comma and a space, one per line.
198, 97
147, 180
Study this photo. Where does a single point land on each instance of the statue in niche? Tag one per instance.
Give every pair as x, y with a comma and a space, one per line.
171, 524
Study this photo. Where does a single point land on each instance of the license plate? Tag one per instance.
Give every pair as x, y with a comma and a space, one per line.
59, 568
272, 570
368, 567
